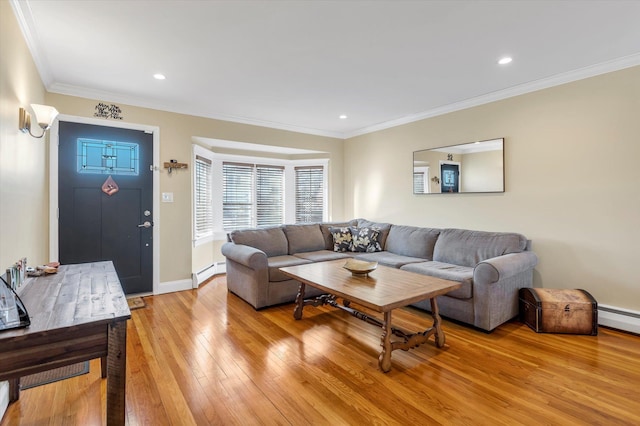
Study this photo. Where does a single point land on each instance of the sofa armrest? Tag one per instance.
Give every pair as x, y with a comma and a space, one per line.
248, 256
496, 282
505, 266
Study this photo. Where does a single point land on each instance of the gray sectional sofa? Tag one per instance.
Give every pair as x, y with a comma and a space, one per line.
492, 266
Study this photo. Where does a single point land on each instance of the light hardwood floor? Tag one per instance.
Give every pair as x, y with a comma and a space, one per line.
206, 357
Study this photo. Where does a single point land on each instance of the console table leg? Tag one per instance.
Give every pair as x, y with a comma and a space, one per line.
103, 367
14, 390
438, 334
384, 361
116, 373
297, 312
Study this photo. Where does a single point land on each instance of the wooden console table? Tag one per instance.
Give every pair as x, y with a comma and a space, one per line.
77, 315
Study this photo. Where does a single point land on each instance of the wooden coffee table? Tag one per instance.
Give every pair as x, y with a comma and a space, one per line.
383, 290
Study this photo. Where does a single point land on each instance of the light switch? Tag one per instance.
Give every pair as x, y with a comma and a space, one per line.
167, 197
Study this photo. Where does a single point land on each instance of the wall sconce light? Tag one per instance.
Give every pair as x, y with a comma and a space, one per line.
43, 114
435, 179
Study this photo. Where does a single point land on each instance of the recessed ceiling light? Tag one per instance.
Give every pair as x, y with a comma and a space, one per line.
159, 76
343, 117
505, 60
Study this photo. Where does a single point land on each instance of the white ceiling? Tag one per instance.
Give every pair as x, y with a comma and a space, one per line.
298, 65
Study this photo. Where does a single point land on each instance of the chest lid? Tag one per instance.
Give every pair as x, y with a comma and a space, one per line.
562, 299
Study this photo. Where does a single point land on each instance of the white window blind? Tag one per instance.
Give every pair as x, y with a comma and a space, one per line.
237, 198
269, 196
309, 194
253, 195
203, 206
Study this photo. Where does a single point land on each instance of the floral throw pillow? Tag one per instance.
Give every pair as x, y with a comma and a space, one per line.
341, 239
365, 239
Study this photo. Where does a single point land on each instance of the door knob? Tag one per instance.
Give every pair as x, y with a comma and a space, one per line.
147, 224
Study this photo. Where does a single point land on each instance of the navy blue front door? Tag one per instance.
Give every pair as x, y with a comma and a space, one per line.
105, 200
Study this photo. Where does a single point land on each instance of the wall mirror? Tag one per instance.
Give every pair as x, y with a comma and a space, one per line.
469, 167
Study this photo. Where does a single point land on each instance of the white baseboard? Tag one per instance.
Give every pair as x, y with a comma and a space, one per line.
622, 319
196, 279
216, 268
171, 286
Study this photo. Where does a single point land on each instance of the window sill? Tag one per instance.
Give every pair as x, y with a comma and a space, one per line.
203, 240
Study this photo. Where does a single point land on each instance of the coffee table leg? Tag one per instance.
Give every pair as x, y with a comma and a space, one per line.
439, 334
297, 312
384, 361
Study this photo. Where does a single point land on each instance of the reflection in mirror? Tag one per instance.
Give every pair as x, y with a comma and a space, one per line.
469, 167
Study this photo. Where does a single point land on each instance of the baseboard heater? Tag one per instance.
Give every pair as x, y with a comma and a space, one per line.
622, 319
201, 276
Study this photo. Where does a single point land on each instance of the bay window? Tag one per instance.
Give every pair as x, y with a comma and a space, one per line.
235, 192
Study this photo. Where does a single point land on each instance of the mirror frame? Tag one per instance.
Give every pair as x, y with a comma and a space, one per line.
453, 150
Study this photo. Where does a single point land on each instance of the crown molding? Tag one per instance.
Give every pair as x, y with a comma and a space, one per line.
545, 83
84, 92
22, 11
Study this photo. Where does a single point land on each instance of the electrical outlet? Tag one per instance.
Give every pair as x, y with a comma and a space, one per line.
167, 197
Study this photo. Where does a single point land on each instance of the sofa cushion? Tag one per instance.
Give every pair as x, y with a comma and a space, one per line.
467, 248
447, 271
272, 241
412, 241
365, 239
324, 255
276, 262
303, 238
383, 227
342, 239
388, 259
325, 228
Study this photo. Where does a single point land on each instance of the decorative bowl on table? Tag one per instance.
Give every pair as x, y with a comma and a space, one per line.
360, 267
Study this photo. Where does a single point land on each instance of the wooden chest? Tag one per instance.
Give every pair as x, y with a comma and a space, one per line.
559, 311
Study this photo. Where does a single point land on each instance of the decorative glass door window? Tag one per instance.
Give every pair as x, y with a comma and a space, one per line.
107, 157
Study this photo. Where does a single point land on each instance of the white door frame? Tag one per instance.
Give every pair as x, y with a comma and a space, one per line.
53, 184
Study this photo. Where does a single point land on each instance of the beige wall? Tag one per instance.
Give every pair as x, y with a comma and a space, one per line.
23, 166
23, 159
572, 176
177, 261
